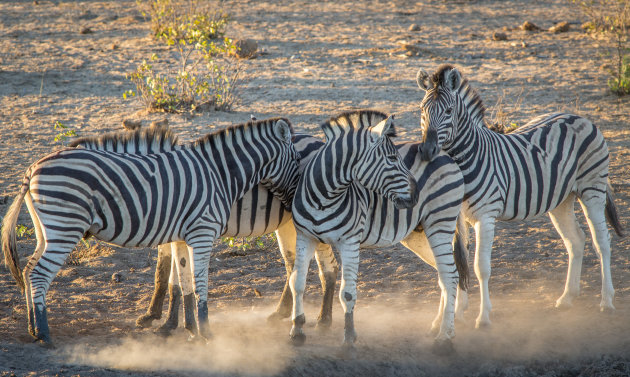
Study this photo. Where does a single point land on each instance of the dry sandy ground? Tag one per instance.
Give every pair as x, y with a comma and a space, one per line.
322, 58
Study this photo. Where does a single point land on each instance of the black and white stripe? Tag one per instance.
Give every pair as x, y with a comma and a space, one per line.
184, 194
542, 167
361, 191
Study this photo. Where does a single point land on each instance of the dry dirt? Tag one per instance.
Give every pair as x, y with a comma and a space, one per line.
322, 58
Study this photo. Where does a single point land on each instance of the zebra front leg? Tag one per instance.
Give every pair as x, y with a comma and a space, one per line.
328, 270
304, 250
484, 232
200, 248
161, 281
563, 218
183, 283
349, 255
286, 243
594, 203
417, 242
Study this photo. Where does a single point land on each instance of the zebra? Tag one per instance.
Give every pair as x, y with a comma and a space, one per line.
361, 191
541, 167
257, 213
144, 200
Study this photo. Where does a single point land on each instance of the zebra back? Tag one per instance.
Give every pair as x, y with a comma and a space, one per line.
145, 141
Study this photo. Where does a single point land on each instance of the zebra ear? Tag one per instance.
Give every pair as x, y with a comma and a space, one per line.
385, 128
453, 79
423, 80
283, 130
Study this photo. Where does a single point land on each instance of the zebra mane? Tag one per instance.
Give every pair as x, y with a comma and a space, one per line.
354, 119
469, 95
240, 128
146, 141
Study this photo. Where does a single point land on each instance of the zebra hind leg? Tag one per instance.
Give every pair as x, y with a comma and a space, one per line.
563, 218
39, 274
162, 273
593, 203
286, 243
328, 270
304, 249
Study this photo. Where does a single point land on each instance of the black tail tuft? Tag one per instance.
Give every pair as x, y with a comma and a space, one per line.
611, 212
460, 252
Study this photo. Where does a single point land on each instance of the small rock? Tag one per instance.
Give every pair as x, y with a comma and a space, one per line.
114, 46
131, 125
85, 30
117, 277
497, 36
163, 123
86, 16
560, 27
528, 26
246, 48
414, 27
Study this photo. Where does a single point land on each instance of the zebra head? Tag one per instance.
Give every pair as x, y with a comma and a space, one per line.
381, 168
440, 109
282, 174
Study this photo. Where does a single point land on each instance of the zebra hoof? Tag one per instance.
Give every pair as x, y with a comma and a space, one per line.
145, 321
563, 304
297, 338
276, 317
434, 331
443, 347
323, 325
483, 324
348, 351
198, 339
164, 330
45, 344
607, 309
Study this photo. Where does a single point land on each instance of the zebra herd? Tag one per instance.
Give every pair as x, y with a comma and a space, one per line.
354, 190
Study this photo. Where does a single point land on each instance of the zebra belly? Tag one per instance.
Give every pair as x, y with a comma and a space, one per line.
257, 213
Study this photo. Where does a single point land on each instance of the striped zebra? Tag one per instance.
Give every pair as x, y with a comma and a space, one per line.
144, 200
542, 167
361, 191
257, 213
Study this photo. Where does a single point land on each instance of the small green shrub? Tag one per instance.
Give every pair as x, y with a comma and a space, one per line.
64, 132
611, 20
207, 77
187, 19
244, 244
22, 231
620, 82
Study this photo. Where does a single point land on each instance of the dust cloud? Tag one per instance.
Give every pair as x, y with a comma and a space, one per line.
528, 335
241, 343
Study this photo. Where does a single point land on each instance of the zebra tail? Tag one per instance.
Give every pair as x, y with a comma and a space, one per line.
611, 212
460, 252
9, 241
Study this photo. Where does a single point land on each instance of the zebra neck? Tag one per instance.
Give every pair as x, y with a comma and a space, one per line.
238, 170
331, 175
473, 144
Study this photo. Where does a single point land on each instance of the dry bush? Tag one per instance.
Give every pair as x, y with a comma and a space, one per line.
86, 251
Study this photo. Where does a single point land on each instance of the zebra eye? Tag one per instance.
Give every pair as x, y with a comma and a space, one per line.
449, 111
392, 158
